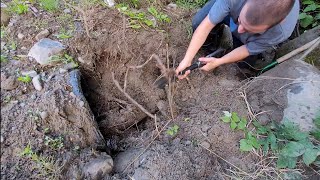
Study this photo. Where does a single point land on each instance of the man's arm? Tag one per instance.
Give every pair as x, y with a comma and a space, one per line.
198, 38
235, 55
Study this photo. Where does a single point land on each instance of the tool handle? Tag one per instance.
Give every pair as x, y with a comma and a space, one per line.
195, 65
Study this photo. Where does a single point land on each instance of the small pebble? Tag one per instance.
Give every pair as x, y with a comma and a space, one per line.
37, 83
22, 104
81, 103
20, 36
172, 6
43, 115
33, 97
67, 11
62, 71
72, 94
29, 73
13, 128
23, 48
187, 143
2, 139
43, 34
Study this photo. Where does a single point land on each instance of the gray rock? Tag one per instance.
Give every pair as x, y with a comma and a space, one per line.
81, 103
109, 3
1, 140
44, 115
62, 70
44, 49
29, 73
295, 98
9, 83
37, 83
123, 159
20, 36
5, 17
33, 97
98, 167
67, 11
22, 104
172, 6
43, 34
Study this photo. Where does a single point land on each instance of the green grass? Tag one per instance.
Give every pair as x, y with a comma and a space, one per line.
3, 59
18, 7
49, 5
25, 79
191, 4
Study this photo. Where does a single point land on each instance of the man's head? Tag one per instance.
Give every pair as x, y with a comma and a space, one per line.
257, 16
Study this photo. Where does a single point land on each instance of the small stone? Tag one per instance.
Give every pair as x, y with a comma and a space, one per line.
23, 48
176, 141
9, 83
1, 139
22, 104
205, 144
172, 6
72, 94
81, 103
98, 167
37, 83
187, 143
33, 97
44, 49
67, 11
29, 73
43, 34
43, 115
20, 36
110, 3
62, 70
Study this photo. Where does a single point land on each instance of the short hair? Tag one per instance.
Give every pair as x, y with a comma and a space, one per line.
268, 12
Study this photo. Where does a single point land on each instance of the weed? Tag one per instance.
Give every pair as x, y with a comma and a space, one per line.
18, 7
49, 5
64, 59
7, 99
136, 19
3, 32
63, 34
24, 79
3, 59
310, 15
190, 4
163, 18
13, 46
46, 130
285, 141
54, 143
27, 151
172, 131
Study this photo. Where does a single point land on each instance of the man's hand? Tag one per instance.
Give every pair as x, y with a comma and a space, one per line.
182, 66
211, 63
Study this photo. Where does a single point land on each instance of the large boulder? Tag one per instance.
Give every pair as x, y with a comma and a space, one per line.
288, 92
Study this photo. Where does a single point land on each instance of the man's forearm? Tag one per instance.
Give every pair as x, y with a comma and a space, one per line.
199, 37
235, 55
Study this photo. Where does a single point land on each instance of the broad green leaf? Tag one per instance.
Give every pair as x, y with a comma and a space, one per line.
302, 15
254, 142
289, 130
317, 16
235, 117
292, 162
310, 156
245, 146
225, 119
306, 2
307, 144
233, 125
305, 22
317, 119
282, 162
316, 134
242, 124
310, 7
273, 141
293, 149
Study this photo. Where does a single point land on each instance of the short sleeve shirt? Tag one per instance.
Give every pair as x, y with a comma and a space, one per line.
255, 43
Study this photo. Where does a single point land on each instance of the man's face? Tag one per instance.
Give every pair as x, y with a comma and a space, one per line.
244, 26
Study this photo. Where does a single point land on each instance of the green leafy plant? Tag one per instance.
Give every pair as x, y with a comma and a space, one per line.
63, 34
163, 18
3, 32
310, 15
172, 131
13, 46
286, 140
54, 143
18, 7
3, 59
24, 79
27, 151
135, 3
65, 58
49, 5
136, 19
234, 120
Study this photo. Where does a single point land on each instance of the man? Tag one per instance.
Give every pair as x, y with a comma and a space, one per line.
259, 25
